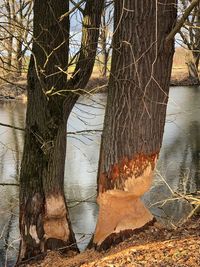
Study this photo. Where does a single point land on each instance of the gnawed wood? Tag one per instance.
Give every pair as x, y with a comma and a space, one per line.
55, 221
33, 233
129, 173
116, 238
139, 185
121, 210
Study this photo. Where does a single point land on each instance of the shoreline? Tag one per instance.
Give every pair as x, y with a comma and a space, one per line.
17, 91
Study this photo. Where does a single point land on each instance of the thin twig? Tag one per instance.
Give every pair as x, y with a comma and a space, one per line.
68, 133
5, 184
7, 81
11, 126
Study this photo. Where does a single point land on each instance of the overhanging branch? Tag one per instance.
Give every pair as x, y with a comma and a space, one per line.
180, 23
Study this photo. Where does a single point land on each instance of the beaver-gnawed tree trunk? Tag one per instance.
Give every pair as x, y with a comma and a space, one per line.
135, 115
44, 222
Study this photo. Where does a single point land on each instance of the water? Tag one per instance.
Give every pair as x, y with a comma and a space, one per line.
178, 169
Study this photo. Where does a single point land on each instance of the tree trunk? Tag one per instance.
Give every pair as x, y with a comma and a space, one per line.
192, 63
103, 43
19, 56
135, 115
9, 49
19, 40
44, 222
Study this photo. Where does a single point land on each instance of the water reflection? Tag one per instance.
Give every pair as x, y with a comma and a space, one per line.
10, 154
179, 163
178, 167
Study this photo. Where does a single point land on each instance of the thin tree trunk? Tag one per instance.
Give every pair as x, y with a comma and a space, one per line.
21, 30
192, 64
103, 44
19, 56
196, 57
135, 115
10, 40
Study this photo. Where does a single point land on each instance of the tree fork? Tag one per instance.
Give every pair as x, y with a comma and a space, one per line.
44, 221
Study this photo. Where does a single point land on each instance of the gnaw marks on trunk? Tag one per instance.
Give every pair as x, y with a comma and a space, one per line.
120, 209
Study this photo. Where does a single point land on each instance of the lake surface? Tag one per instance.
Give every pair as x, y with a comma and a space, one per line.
178, 169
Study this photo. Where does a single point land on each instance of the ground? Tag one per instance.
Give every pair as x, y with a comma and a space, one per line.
156, 246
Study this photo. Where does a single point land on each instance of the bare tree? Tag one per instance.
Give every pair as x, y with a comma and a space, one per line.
44, 221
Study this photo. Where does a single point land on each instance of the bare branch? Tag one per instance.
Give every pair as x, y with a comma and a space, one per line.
77, 6
11, 126
180, 23
68, 133
7, 81
5, 184
72, 10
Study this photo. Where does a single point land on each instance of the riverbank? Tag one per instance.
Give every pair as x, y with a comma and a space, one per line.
156, 246
16, 90
13, 89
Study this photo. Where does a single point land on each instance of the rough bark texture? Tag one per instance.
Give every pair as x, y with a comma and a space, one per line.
44, 222
135, 114
90, 34
42, 202
103, 42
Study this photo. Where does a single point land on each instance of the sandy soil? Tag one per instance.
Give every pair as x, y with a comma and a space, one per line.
156, 246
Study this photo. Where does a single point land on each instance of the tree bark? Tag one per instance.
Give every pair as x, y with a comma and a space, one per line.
135, 115
87, 54
44, 221
103, 43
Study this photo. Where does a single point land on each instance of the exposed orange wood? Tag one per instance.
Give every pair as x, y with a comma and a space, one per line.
120, 207
126, 169
119, 210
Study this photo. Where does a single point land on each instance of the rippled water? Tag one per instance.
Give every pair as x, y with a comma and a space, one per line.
178, 169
